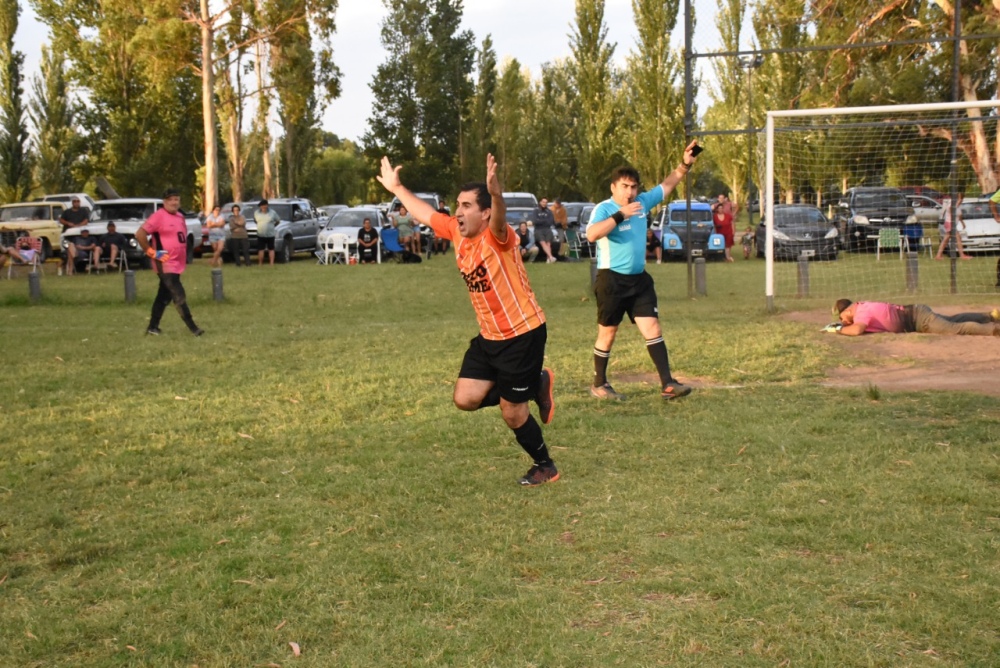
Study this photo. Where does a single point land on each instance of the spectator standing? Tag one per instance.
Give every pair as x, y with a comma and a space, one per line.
946, 237
238, 238
112, 244
722, 215
75, 216
168, 231
367, 243
403, 222
748, 240
623, 286
216, 225
267, 226
544, 222
82, 246
526, 243
561, 220
503, 364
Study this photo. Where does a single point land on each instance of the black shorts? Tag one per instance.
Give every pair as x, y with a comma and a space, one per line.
618, 294
515, 365
265, 243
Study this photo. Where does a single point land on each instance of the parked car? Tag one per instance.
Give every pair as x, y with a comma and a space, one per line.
38, 219
800, 230
426, 233
297, 231
924, 191
573, 210
705, 242
66, 199
329, 211
929, 212
349, 221
128, 214
520, 206
587, 248
982, 231
862, 212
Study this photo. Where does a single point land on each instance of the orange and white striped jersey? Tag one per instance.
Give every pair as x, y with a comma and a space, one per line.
498, 285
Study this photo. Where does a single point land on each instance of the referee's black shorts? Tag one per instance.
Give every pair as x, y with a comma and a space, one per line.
618, 294
515, 365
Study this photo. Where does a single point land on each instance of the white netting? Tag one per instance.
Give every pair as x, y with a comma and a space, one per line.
865, 169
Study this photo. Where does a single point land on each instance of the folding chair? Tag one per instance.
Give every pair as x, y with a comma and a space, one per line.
573, 243
34, 250
121, 262
890, 238
390, 241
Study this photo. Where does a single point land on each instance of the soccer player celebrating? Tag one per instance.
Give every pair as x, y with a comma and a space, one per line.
623, 286
168, 231
503, 365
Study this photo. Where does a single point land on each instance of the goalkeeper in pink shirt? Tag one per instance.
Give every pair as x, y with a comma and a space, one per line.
857, 318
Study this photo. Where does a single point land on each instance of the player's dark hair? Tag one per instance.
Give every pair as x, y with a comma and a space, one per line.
841, 305
483, 197
625, 172
171, 192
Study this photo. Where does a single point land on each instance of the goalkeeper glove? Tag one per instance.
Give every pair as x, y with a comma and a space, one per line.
832, 328
160, 255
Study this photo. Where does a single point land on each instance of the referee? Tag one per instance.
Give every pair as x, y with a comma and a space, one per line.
623, 286
503, 365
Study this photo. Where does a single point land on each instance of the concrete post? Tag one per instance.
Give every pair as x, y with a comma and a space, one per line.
803, 276
35, 287
912, 272
700, 280
217, 285
129, 286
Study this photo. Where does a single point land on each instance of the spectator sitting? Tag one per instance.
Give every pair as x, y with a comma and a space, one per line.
527, 243
20, 253
75, 216
441, 245
367, 243
80, 248
112, 244
653, 245
404, 223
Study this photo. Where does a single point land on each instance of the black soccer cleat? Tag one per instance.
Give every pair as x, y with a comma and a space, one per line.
153, 331
540, 474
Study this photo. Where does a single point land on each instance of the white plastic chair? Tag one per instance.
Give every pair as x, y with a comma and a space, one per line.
335, 250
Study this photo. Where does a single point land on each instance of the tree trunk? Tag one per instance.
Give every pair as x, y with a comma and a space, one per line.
263, 109
211, 195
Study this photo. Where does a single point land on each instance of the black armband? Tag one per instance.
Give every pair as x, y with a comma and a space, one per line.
618, 217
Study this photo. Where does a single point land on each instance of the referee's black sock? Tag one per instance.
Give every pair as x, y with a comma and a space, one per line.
658, 351
529, 436
492, 398
601, 366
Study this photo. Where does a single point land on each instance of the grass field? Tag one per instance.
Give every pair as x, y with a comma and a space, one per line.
299, 475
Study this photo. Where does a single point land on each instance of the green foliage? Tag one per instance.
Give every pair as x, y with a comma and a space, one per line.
479, 130
422, 92
15, 159
513, 102
336, 173
57, 142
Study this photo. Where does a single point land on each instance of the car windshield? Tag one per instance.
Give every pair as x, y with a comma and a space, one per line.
515, 217
248, 209
976, 210
519, 202
124, 211
573, 210
791, 217
19, 213
678, 216
879, 199
352, 219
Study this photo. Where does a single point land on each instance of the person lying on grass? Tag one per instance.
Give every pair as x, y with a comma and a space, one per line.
859, 318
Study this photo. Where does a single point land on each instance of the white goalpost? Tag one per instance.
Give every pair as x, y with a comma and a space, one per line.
857, 202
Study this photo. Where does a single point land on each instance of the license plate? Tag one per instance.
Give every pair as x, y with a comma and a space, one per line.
808, 253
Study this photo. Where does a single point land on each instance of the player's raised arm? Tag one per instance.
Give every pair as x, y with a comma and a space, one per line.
498, 208
389, 178
687, 162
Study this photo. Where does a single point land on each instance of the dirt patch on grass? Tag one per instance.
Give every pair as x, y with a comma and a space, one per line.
914, 362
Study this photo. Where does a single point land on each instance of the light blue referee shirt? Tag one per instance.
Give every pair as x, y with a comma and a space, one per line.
624, 250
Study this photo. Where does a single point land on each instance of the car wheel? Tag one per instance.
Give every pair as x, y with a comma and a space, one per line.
287, 250
46, 250
190, 250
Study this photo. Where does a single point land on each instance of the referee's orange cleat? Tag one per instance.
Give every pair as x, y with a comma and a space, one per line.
546, 404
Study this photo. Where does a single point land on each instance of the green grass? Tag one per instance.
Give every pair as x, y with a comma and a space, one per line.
301, 466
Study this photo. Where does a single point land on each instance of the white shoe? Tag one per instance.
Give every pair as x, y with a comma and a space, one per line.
659, 262
550, 260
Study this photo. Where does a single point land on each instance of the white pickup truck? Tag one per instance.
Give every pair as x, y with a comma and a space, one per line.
128, 214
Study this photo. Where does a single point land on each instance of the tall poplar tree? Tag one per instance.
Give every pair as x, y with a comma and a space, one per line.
512, 99
479, 129
15, 164
599, 95
56, 143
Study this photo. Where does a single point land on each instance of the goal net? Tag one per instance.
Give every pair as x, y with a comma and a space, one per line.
863, 199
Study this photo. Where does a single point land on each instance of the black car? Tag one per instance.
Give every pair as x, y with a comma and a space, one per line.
800, 230
862, 212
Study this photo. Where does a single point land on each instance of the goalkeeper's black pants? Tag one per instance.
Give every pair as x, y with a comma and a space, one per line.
171, 290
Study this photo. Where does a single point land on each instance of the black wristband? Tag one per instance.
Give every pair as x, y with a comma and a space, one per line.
618, 217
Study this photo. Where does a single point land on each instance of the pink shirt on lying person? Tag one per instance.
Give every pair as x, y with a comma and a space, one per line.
168, 232
879, 317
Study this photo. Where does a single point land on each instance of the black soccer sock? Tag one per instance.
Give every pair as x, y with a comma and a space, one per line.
657, 350
601, 366
492, 398
529, 436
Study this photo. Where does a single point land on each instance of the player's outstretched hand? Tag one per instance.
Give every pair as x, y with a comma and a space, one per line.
389, 177
492, 182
